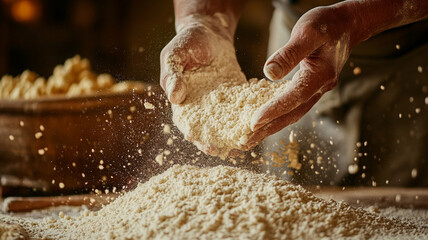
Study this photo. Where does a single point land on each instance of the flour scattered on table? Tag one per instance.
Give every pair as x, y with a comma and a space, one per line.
12, 231
218, 203
220, 102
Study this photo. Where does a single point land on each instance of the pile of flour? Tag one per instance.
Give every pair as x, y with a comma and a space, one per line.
12, 231
220, 102
188, 202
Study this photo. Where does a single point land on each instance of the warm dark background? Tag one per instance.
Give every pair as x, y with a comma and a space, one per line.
123, 38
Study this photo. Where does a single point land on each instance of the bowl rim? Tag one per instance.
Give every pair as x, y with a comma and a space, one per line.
80, 104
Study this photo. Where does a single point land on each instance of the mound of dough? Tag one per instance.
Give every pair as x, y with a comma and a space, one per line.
220, 102
74, 78
12, 232
219, 121
188, 202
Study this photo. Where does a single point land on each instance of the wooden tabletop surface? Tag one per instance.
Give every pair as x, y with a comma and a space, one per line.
379, 196
355, 196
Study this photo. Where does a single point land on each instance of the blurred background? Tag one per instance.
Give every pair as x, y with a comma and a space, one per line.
123, 38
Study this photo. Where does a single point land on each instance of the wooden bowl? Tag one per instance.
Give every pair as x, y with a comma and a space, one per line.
63, 145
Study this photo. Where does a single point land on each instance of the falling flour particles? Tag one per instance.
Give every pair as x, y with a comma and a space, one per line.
220, 102
188, 202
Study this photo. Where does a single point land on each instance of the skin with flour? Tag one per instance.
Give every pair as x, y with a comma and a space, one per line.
321, 42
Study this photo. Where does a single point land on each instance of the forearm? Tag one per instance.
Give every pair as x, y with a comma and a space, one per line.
226, 12
374, 16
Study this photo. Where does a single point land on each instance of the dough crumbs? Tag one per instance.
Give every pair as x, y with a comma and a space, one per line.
74, 78
38, 135
167, 129
188, 202
149, 106
159, 159
220, 103
41, 152
12, 232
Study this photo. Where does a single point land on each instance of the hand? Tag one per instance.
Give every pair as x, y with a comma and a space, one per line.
194, 46
321, 42
203, 43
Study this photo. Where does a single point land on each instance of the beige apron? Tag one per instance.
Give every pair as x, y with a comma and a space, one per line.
374, 124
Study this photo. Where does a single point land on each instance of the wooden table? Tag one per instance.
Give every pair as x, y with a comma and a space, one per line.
379, 196
356, 196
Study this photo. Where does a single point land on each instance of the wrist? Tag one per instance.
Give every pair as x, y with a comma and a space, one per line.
355, 22
368, 18
218, 22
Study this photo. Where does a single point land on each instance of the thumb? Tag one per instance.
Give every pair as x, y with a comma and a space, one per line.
286, 58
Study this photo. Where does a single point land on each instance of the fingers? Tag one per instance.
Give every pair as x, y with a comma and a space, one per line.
175, 87
281, 122
208, 149
190, 49
286, 58
172, 82
305, 84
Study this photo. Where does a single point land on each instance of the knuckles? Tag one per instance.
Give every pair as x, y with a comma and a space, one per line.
288, 58
331, 81
324, 23
192, 47
331, 85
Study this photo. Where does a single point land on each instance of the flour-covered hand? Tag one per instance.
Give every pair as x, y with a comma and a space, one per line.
193, 47
321, 42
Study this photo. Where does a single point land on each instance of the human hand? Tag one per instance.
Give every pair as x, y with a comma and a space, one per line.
321, 42
194, 46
